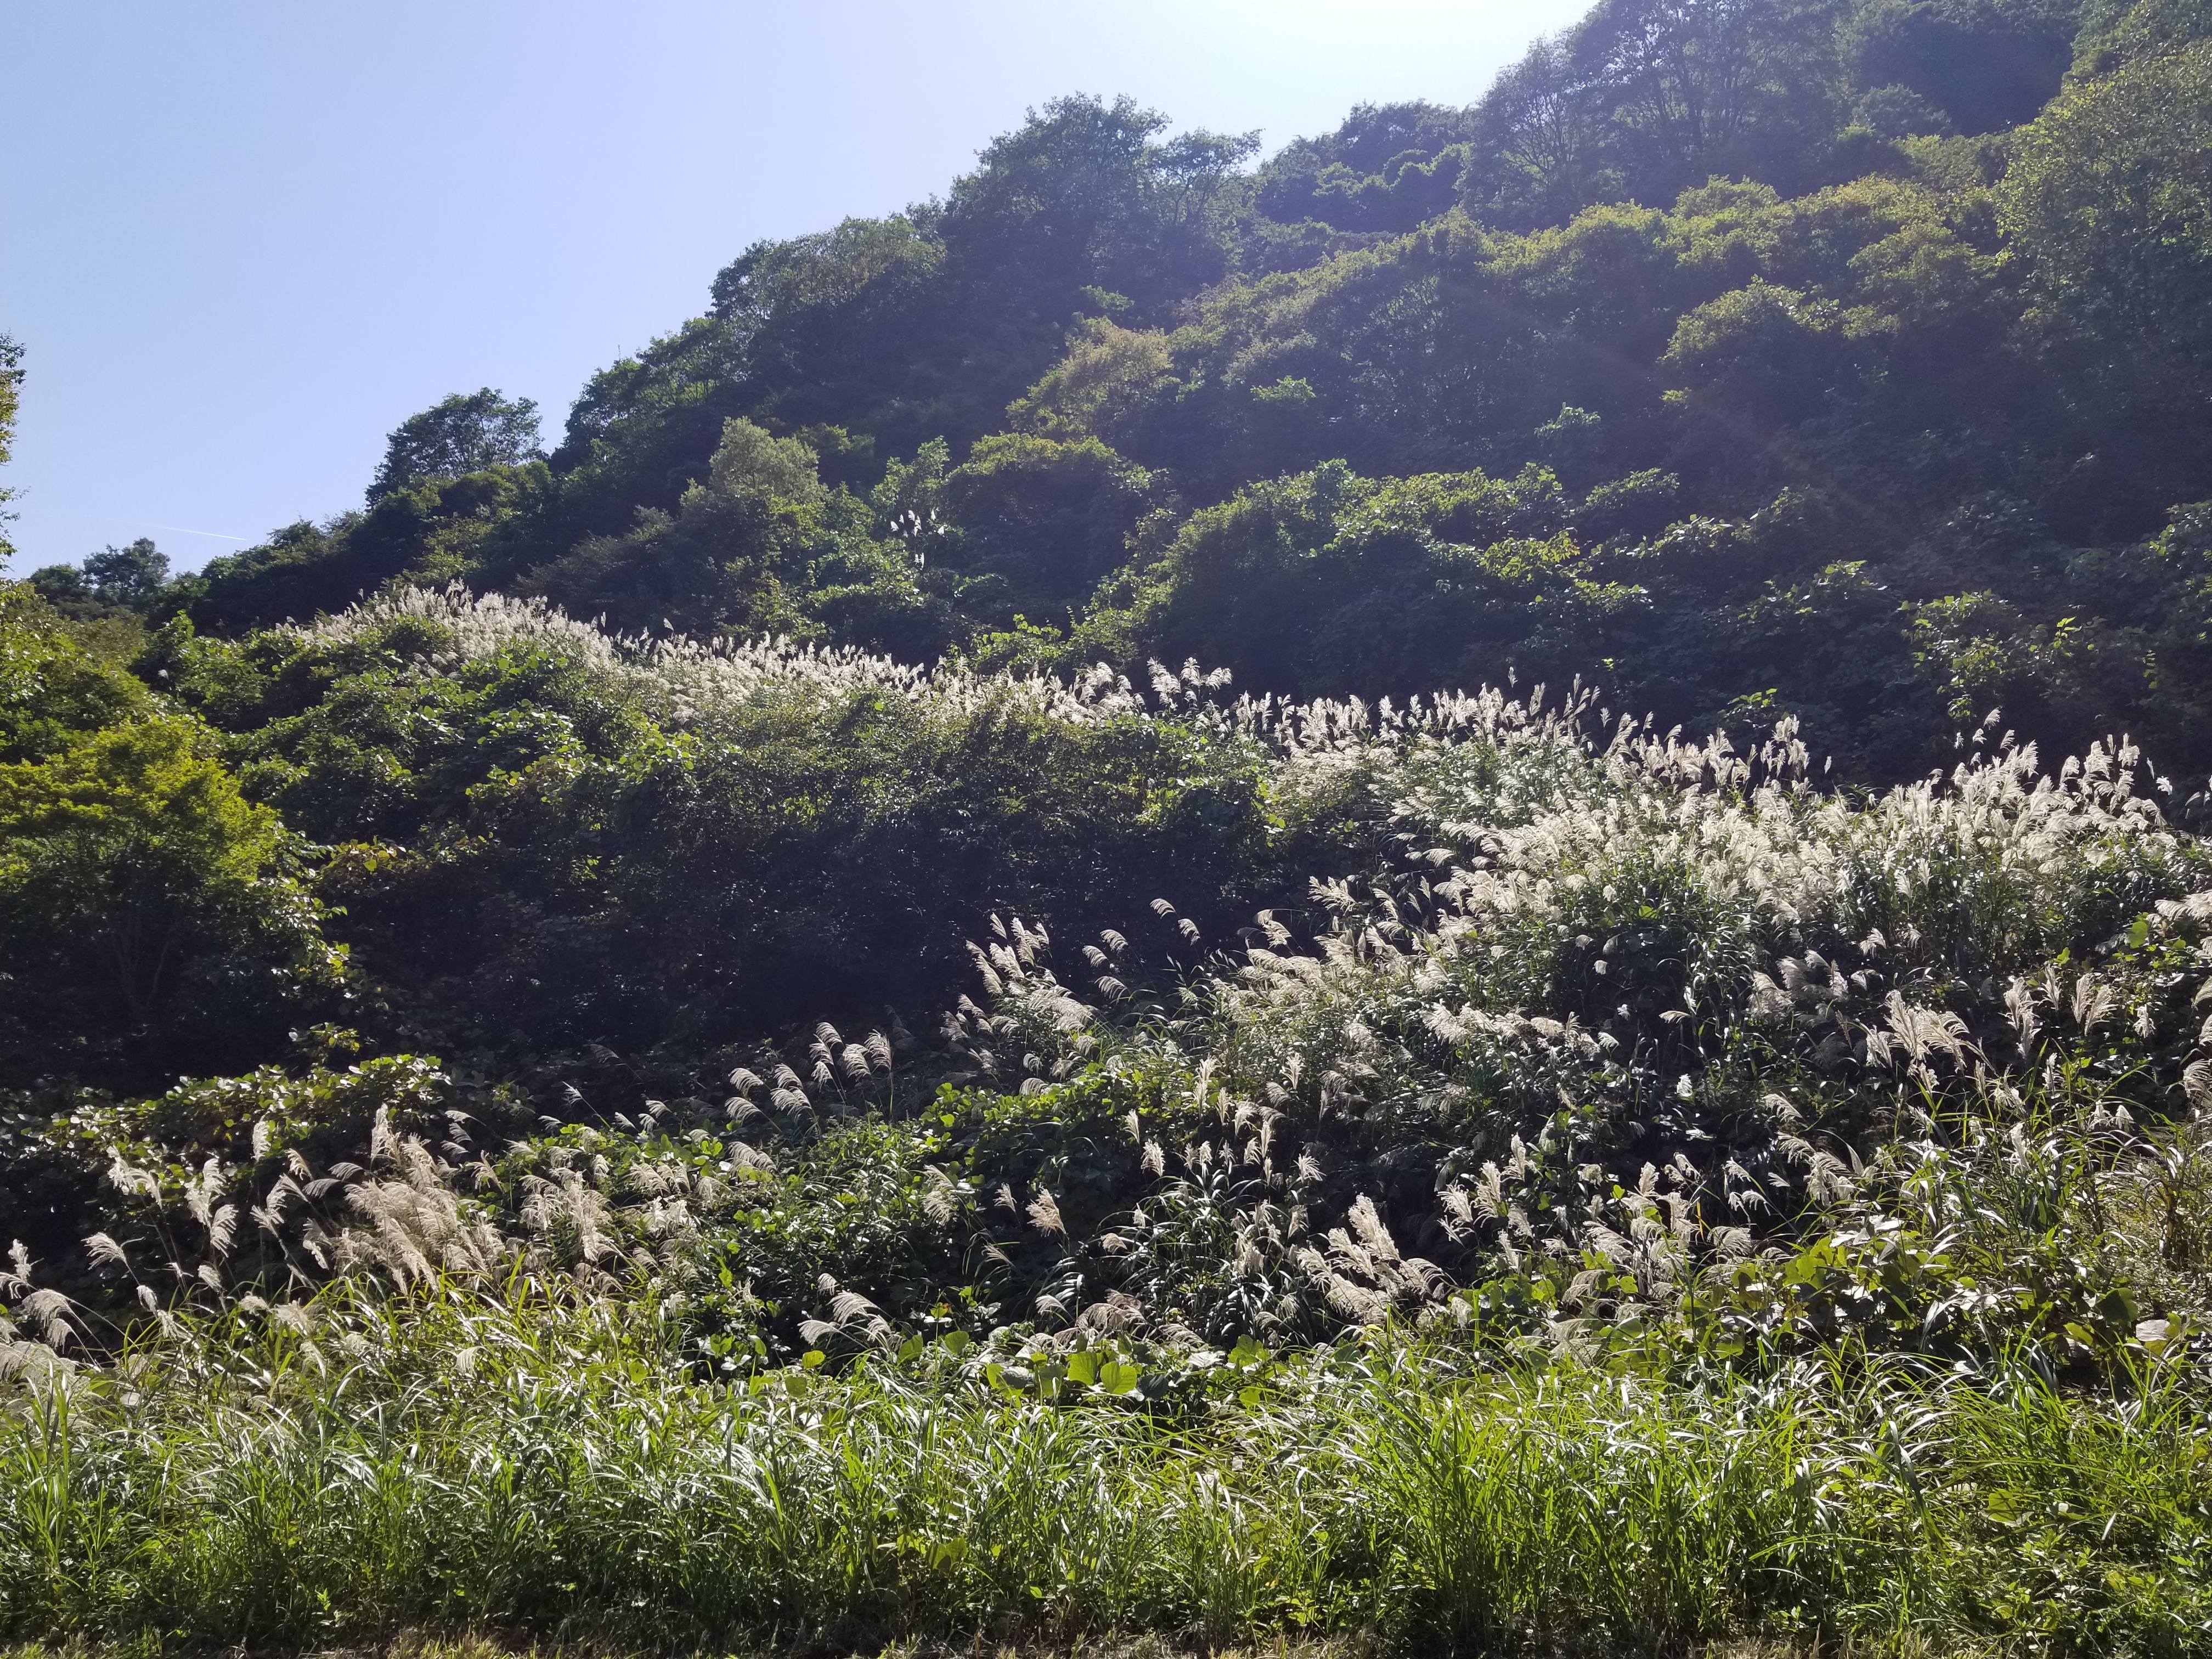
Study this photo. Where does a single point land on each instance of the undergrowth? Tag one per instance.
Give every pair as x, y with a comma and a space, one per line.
517, 1460
1659, 1202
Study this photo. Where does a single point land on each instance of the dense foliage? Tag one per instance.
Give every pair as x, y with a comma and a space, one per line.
850, 1097
1643, 1089
1845, 359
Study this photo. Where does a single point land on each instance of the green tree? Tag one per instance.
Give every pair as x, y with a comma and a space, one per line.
929, 323
1703, 87
133, 577
1985, 63
1543, 126
1388, 166
12, 376
2107, 209
1084, 194
1048, 519
52, 692
150, 922
152, 919
1107, 375
738, 552
62, 586
1760, 355
466, 433
2109, 200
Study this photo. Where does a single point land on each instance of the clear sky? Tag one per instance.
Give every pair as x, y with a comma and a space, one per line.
242, 240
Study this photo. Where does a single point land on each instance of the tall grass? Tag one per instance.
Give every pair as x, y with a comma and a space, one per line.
460, 1460
1793, 1199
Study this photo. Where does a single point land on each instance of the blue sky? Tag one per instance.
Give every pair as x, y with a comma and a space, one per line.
242, 242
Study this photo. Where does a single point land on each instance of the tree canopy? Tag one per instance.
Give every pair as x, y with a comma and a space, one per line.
469, 432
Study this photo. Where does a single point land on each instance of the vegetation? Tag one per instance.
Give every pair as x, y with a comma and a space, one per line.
11, 375
565, 1477
694, 1128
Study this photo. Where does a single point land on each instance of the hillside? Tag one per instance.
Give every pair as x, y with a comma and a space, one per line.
1442, 892
1707, 319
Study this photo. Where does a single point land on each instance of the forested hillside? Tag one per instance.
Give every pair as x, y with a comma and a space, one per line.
1846, 361
1442, 891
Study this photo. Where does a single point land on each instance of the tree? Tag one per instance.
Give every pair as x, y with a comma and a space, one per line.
1985, 64
149, 921
1109, 373
62, 586
740, 542
151, 917
117, 579
1542, 125
467, 433
1388, 166
11, 375
1048, 519
1083, 195
52, 692
2107, 206
1703, 86
1759, 355
2108, 197
133, 576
